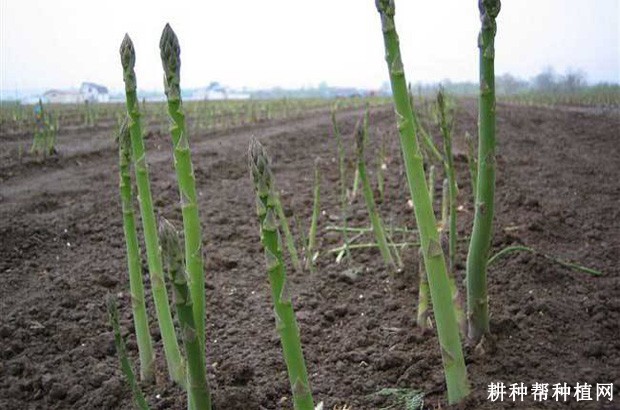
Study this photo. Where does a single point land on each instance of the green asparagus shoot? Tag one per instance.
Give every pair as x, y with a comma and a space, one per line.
197, 387
113, 315
477, 297
343, 180
176, 367
471, 162
288, 236
286, 324
375, 219
171, 61
446, 125
316, 210
138, 303
434, 260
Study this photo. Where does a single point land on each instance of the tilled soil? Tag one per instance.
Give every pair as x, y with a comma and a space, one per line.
62, 252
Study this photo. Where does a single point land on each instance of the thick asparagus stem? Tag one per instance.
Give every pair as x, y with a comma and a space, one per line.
197, 387
477, 298
122, 356
447, 327
176, 367
286, 324
375, 219
136, 287
171, 62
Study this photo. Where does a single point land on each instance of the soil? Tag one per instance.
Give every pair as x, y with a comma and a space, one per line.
62, 252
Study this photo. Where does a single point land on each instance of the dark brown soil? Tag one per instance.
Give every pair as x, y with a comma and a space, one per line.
62, 252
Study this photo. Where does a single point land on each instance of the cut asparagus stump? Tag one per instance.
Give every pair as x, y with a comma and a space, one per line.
162, 307
286, 324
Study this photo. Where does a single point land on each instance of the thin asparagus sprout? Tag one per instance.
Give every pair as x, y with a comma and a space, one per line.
427, 140
431, 182
369, 229
303, 238
286, 324
138, 303
343, 179
471, 162
171, 61
423, 318
197, 387
510, 249
176, 367
356, 184
447, 326
396, 249
377, 225
290, 241
394, 245
445, 204
113, 315
477, 297
381, 166
446, 133
316, 209
449, 205
41, 130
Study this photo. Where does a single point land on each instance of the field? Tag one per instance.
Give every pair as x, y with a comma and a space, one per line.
62, 251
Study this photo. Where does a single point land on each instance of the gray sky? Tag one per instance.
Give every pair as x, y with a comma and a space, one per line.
291, 43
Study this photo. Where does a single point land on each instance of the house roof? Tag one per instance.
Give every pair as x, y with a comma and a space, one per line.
100, 88
60, 92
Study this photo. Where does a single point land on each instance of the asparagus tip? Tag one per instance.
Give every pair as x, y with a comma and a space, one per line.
128, 53
386, 7
170, 49
489, 8
169, 237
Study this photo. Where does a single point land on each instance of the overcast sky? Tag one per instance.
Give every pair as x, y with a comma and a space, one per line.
291, 43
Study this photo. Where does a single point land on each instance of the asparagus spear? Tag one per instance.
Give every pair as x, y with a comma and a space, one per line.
477, 298
343, 180
286, 324
447, 327
171, 61
197, 387
122, 355
288, 236
140, 317
445, 125
316, 210
176, 367
375, 219
471, 162
423, 293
